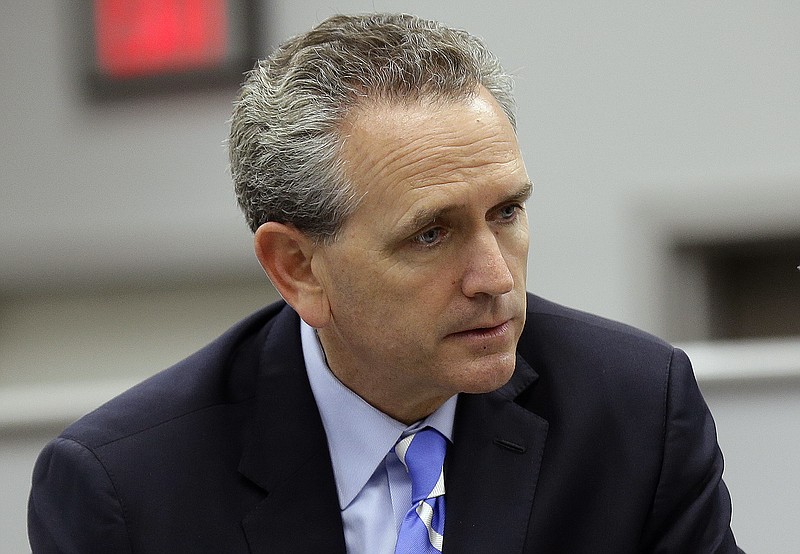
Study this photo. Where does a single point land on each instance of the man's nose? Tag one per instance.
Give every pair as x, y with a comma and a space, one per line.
486, 271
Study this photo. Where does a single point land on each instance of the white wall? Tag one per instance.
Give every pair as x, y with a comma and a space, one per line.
637, 120
757, 426
640, 122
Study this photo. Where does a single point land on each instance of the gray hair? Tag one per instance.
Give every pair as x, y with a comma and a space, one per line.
285, 142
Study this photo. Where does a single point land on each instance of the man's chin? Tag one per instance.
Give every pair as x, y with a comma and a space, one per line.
489, 373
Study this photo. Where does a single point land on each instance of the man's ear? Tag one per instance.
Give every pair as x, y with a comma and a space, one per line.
285, 253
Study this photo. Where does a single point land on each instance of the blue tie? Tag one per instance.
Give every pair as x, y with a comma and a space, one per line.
422, 455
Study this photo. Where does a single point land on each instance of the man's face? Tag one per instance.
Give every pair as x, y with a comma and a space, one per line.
426, 281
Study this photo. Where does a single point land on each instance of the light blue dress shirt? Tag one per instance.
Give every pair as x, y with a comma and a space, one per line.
374, 488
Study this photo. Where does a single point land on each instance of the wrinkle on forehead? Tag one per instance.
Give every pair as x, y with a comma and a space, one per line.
416, 142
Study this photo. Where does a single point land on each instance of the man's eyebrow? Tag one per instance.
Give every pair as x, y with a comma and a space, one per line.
428, 216
522, 195
518, 197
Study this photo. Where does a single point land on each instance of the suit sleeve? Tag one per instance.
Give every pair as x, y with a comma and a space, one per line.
692, 508
73, 506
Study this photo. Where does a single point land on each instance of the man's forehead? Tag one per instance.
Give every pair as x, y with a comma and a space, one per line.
390, 133
372, 110
430, 159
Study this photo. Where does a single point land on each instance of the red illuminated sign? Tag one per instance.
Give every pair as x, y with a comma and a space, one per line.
140, 38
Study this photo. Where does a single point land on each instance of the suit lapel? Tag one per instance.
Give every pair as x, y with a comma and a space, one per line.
287, 455
493, 469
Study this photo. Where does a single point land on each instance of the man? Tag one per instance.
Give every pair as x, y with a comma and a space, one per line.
408, 394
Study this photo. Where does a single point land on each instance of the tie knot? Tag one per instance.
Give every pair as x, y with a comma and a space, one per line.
422, 454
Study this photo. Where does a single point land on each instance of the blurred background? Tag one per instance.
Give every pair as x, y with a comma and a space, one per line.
663, 140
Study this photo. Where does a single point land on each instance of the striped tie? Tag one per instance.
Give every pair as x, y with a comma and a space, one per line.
422, 455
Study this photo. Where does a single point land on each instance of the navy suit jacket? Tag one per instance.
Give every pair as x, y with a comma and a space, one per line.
600, 443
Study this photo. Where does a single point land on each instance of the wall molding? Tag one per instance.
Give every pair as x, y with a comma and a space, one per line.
58, 404
745, 359
54, 404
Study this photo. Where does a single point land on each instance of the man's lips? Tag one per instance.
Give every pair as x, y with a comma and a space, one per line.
485, 331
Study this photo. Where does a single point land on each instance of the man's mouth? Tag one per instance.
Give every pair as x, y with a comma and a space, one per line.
482, 331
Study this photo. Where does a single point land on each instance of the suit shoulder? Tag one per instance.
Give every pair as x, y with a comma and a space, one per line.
545, 316
568, 345
590, 369
223, 372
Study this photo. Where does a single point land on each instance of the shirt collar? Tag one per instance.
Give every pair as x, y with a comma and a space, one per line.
359, 435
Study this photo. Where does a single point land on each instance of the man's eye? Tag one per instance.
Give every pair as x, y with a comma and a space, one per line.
429, 237
508, 213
